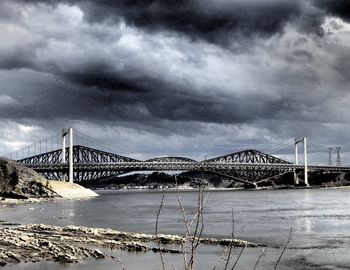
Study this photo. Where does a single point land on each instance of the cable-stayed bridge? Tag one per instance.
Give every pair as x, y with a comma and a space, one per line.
80, 163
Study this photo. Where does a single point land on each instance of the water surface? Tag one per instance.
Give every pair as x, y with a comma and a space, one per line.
320, 220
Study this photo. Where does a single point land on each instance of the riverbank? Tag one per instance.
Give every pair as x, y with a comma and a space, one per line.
69, 244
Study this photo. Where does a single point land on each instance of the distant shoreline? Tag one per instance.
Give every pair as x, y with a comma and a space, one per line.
191, 189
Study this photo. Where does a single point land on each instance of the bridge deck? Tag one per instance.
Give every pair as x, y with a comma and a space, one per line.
181, 166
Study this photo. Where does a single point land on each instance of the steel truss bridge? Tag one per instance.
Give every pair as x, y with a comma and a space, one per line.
249, 166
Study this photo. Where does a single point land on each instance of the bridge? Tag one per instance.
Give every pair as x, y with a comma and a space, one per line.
81, 163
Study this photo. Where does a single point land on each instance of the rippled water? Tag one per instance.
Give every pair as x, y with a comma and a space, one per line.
320, 220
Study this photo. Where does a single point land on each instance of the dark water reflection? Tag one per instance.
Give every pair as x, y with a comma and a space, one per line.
320, 221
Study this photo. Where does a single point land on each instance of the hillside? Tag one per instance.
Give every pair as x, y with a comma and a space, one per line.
19, 182
160, 179
212, 180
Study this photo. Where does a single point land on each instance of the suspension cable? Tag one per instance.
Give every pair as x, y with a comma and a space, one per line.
100, 143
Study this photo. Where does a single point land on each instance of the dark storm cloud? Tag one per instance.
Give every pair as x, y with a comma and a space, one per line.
126, 101
102, 76
337, 8
215, 21
220, 22
232, 24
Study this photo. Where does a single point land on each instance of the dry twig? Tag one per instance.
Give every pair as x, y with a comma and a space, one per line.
239, 256
231, 245
156, 229
121, 263
284, 248
195, 240
186, 224
261, 254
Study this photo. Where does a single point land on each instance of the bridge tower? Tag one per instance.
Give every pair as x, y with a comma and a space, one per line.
296, 179
338, 156
65, 132
304, 142
330, 156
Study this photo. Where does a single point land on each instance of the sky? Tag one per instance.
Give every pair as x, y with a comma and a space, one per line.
191, 78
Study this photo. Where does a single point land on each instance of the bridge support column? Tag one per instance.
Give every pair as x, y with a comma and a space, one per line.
306, 179
64, 133
296, 179
70, 155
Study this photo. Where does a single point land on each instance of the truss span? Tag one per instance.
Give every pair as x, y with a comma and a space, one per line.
81, 154
248, 156
171, 159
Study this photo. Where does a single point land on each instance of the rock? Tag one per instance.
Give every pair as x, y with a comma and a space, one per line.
166, 250
15, 257
45, 244
65, 258
13, 195
24, 238
98, 254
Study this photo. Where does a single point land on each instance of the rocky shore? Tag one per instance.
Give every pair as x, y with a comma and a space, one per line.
34, 243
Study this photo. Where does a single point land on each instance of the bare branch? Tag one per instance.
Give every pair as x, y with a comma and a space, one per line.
284, 248
232, 237
182, 208
186, 224
195, 240
223, 255
121, 263
156, 229
261, 254
159, 211
195, 215
239, 256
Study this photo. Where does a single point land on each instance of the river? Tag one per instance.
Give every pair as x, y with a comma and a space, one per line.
319, 218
